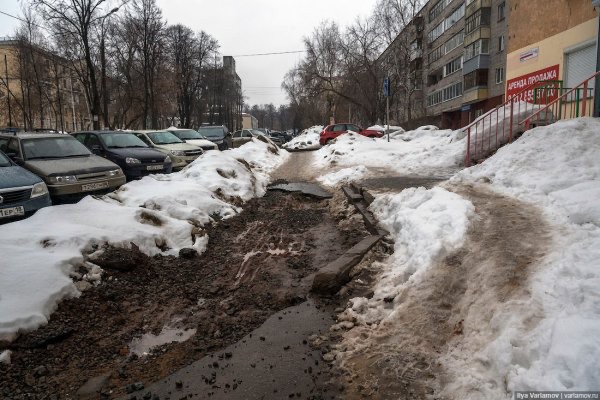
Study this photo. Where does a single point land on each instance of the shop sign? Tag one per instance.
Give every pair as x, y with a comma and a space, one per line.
541, 94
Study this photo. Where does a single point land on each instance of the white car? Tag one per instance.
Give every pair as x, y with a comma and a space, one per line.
193, 137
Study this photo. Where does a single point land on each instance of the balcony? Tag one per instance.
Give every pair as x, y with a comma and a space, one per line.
481, 61
474, 95
476, 5
482, 32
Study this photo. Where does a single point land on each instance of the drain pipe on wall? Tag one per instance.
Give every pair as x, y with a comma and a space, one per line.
596, 4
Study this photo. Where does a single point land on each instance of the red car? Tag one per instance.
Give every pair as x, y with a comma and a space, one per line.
332, 131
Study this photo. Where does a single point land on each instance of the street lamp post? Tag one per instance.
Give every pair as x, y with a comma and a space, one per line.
596, 3
103, 63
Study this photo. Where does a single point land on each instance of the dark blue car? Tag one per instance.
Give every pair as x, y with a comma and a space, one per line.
21, 192
126, 150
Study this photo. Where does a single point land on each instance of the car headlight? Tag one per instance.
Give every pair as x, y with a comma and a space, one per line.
39, 189
63, 179
114, 172
167, 159
178, 153
131, 160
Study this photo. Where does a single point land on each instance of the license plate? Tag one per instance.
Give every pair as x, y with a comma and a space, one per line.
154, 167
94, 186
12, 212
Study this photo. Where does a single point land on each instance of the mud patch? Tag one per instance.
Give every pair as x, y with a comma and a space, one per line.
91, 336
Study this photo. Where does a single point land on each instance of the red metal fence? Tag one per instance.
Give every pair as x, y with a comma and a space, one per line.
499, 126
572, 103
541, 103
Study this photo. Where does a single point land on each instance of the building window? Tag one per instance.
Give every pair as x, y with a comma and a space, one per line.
436, 32
481, 17
476, 78
501, 43
453, 66
454, 42
501, 11
453, 18
499, 75
481, 46
437, 9
448, 93
436, 54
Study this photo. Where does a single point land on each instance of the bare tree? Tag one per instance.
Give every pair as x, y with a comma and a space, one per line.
149, 30
189, 54
401, 61
74, 23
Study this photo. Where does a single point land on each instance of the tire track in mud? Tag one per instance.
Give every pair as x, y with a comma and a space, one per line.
505, 241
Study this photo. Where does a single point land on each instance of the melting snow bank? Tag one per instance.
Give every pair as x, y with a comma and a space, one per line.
550, 341
426, 225
160, 214
306, 140
418, 152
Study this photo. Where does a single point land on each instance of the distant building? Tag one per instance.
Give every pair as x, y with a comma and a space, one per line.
39, 89
555, 40
249, 121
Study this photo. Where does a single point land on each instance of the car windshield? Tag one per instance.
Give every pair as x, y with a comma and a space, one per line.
212, 131
4, 161
187, 134
53, 147
163, 137
121, 140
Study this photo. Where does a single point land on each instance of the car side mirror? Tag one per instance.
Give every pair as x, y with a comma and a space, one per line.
96, 147
12, 156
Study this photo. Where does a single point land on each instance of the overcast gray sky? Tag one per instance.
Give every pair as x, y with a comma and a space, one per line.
248, 27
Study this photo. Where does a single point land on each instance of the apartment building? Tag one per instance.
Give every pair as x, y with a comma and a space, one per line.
457, 57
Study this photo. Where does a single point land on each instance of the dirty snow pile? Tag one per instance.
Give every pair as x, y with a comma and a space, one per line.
344, 175
550, 340
422, 151
160, 214
383, 128
427, 224
308, 139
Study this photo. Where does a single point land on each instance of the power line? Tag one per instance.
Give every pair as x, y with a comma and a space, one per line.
23, 20
270, 54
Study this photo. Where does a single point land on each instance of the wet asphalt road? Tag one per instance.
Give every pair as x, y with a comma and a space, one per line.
273, 362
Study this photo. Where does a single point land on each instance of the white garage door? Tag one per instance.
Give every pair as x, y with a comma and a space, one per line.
580, 65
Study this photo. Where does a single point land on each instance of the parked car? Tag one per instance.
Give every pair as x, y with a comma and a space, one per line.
218, 135
241, 137
193, 137
181, 153
244, 136
21, 192
285, 136
277, 139
128, 151
332, 131
67, 167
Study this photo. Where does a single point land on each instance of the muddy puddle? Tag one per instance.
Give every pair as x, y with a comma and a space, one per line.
143, 345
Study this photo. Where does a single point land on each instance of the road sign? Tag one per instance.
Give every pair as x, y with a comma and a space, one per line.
386, 87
